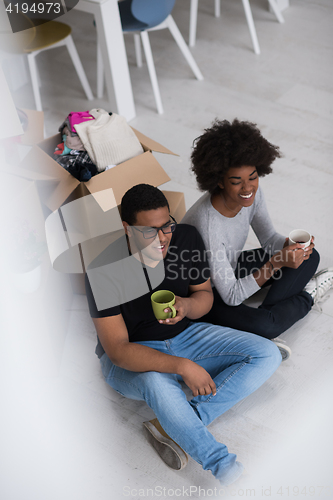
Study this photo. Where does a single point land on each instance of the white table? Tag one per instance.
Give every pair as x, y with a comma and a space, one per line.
111, 41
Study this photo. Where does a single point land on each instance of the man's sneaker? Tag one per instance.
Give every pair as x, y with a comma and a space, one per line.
169, 451
319, 285
283, 348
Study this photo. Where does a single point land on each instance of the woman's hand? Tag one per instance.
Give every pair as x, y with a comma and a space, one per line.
308, 250
293, 255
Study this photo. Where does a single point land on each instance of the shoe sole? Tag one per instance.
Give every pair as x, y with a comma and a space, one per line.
284, 353
319, 273
171, 454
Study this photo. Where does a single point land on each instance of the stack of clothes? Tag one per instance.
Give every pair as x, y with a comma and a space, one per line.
94, 141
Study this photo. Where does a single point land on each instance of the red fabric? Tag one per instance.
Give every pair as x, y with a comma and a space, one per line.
60, 148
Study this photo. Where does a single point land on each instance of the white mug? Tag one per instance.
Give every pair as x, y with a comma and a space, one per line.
300, 236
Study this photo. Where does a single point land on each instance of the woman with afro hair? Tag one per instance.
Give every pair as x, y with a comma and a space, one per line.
228, 159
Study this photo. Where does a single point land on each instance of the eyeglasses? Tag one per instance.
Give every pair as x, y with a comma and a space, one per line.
151, 232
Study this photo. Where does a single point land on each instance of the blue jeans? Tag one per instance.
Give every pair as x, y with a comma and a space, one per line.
238, 362
285, 303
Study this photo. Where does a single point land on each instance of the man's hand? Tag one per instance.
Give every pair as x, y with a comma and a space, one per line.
181, 305
197, 378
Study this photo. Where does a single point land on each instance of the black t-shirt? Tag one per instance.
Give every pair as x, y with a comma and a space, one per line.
127, 291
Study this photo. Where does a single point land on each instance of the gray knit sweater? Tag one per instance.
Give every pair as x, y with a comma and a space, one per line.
225, 238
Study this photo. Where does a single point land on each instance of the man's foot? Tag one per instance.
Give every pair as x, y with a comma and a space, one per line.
283, 348
169, 451
319, 285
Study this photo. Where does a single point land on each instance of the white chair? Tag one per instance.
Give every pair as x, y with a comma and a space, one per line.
49, 36
248, 14
36, 39
139, 17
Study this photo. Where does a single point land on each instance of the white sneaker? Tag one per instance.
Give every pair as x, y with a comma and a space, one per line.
283, 348
319, 285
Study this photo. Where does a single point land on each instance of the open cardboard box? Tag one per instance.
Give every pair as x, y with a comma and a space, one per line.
90, 249
63, 187
76, 225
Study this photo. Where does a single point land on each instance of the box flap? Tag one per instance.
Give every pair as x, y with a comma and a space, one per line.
105, 199
38, 164
141, 169
176, 202
48, 145
60, 194
152, 145
29, 174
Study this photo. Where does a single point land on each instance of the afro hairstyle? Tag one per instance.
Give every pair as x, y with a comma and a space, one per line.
226, 145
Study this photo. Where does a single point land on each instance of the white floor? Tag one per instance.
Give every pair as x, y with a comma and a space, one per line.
75, 437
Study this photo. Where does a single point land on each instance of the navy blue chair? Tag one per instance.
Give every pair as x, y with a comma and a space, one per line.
139, 17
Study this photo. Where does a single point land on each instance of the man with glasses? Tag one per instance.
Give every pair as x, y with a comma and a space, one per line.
146, 359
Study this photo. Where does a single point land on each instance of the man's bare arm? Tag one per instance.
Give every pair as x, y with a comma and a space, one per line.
195, 306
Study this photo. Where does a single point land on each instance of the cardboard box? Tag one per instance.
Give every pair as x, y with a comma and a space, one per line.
75, 227
79, 223
92, 248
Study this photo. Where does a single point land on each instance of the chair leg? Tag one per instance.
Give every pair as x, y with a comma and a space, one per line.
250, 23
193, 22
151, 69
100, 73
138, 53
34, 81
78, 66
183, 47
217, 8
276, 10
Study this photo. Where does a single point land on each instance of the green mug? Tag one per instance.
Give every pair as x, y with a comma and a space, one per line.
163, 299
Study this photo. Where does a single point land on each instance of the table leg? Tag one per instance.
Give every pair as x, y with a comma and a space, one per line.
111, 40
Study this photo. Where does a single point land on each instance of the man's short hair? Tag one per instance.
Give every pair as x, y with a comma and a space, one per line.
142, 197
